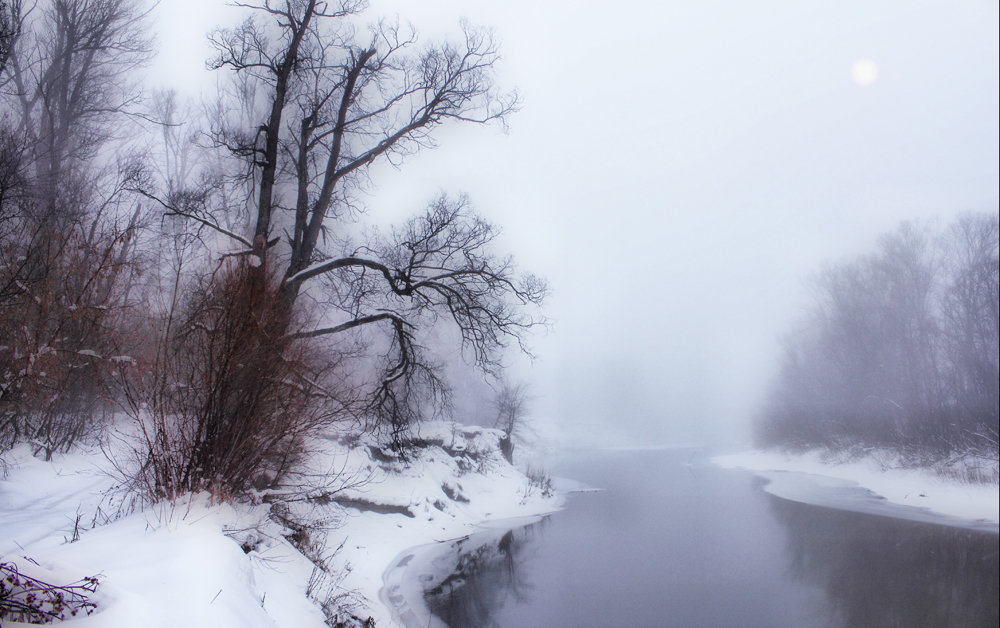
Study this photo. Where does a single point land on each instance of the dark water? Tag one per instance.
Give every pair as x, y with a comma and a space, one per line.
675, 541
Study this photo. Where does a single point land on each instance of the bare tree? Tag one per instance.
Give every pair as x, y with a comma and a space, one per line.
71, 84
972, 322
10, 28
335, 102
438, 263
178, 135
511, 403
263, 347
336, 106
70, 221
11, 145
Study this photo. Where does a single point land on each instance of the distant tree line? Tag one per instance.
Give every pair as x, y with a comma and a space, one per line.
899, 348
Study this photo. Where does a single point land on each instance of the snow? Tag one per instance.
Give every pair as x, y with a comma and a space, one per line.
167, 565
377, 521
198, 563
873, 484
374, 543
318, 266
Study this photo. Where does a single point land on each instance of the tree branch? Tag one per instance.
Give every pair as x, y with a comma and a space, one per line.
357, 322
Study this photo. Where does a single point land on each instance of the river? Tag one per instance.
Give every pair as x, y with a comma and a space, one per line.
672, 540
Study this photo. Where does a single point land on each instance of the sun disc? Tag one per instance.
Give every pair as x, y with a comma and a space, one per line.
864, 72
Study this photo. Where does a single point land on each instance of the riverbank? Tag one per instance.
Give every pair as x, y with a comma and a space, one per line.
291, 558
953, 498
674, 540
454, 484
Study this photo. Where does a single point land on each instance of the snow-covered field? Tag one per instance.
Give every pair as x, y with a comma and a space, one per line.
195, 563
890, 489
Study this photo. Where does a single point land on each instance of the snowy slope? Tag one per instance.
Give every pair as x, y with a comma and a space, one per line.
889, 488
195, 563
168, 565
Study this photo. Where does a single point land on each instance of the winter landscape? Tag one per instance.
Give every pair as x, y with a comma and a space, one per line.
359, 313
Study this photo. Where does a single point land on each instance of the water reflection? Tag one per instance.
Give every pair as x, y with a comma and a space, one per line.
878, 571
488, 575
672, 542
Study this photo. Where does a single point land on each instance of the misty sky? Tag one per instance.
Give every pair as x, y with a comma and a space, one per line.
679, 169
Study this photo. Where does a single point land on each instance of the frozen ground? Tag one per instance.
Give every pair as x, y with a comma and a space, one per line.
874, 484
195, 563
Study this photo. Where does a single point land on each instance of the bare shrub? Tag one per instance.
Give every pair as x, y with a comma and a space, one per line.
62, 305
225, 402
538, 480
31, 600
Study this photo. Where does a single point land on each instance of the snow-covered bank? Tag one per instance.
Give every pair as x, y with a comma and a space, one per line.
168, 565
194, 563
920, 494
454, 485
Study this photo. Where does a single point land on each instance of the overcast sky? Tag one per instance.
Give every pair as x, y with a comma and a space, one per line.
679, 169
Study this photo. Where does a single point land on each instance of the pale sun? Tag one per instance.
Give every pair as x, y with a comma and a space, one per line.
864, 72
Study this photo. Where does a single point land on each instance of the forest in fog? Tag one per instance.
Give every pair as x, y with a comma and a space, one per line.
205, 272
899, 347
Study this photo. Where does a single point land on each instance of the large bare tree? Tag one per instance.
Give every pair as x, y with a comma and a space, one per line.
315, 101
335, 103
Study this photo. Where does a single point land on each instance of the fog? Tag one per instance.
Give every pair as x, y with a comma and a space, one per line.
679, 169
